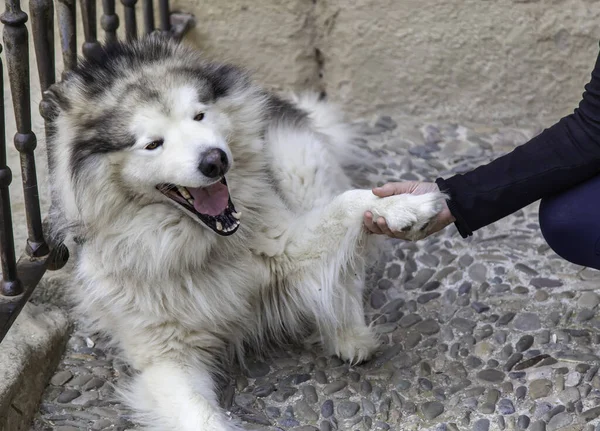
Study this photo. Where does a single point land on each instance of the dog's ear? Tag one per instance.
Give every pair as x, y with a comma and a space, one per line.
226, 79
53, 101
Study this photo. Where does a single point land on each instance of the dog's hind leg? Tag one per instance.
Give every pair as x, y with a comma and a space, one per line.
175, 396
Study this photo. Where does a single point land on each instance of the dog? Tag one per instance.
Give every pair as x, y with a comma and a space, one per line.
210, 215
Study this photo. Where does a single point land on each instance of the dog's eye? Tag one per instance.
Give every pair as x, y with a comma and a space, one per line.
154, 144
199, 117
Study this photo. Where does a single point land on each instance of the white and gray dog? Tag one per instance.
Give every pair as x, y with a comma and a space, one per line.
211, 215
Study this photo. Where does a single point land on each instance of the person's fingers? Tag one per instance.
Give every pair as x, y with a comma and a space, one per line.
380, 227
383, 227
370, 224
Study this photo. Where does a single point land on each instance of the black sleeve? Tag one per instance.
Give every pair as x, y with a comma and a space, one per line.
558, 158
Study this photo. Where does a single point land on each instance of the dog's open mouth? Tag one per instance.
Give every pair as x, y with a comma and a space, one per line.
210, 204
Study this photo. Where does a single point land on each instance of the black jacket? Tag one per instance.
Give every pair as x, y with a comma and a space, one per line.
560, 157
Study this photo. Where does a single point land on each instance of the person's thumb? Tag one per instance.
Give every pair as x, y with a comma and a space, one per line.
390, 189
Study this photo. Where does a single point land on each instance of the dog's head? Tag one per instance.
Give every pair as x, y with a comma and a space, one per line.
157, 120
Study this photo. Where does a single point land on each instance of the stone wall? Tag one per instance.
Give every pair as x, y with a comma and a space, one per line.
489, 61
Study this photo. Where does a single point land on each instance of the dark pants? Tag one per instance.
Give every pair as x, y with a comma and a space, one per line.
570, 223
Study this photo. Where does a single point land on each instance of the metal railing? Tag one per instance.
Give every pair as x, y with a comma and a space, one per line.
19, 278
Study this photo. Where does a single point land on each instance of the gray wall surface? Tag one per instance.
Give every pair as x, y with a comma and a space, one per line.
487, 61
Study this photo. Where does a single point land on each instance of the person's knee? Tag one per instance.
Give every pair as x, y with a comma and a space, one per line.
569, 222
557, 227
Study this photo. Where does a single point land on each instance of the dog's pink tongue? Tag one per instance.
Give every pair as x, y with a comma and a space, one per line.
211, 200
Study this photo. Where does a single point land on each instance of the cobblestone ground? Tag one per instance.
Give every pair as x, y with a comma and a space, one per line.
491, 333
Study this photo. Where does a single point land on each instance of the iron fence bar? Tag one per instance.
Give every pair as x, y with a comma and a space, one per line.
66, 10
109, 21
17, 58
91, 46
130, 22
11, 285
42, 21
148, 9
163, 8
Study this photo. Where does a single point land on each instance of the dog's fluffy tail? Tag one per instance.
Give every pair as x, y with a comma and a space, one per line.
327, 119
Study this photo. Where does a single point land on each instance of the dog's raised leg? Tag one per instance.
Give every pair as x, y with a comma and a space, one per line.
325, 249
174, 396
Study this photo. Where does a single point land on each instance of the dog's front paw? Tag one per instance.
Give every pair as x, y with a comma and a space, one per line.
356, 345
409, 213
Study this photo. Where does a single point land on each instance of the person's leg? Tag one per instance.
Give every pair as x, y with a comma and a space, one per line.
570, 223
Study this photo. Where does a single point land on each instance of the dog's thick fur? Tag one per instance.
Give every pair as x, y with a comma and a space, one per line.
173, 294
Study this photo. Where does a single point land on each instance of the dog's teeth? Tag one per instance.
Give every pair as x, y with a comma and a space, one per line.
184, 193
219, 226
237, 215
190, 201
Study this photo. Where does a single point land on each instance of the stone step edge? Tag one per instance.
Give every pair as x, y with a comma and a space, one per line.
29, 355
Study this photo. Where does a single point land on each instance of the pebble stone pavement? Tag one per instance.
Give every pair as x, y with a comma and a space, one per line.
494, 332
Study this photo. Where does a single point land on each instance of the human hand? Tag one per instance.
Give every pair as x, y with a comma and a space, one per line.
380, 227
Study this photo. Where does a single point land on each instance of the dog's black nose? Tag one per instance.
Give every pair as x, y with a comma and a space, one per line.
214, 163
